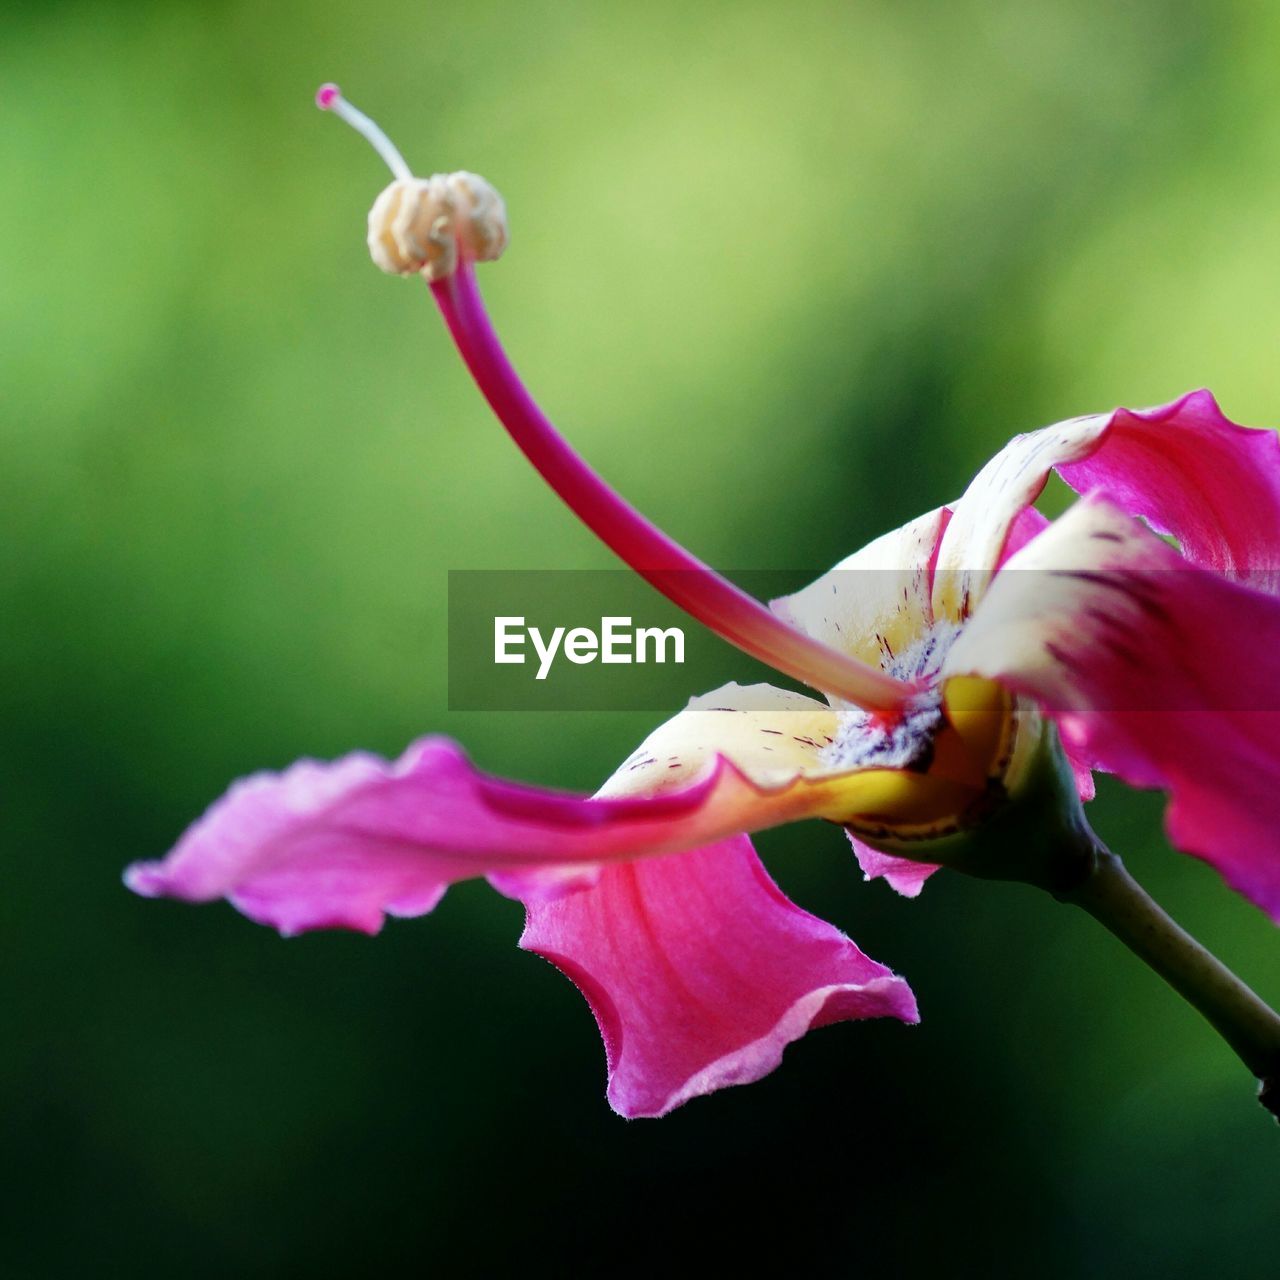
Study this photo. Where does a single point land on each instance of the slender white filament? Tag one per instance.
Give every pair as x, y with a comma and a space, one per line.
329, 98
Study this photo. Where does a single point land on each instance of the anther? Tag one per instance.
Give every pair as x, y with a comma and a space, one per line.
422, 225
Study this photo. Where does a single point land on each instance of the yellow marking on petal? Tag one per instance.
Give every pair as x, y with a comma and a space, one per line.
778, 744
970, 751
981, 712
906, 805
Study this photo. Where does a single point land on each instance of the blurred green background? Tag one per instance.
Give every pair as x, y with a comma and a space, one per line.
788, 274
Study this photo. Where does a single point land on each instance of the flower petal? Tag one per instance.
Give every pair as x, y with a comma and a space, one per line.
340, 845
1183, 466
772, 735
1166, 673
1191, 472
700, 972
875, 602
781, 742
1027, 525
903, 875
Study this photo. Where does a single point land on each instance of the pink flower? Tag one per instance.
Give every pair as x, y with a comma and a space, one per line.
951, 654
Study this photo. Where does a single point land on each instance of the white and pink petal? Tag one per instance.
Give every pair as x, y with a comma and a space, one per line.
876, 602
772, 735
1165, 673
343, 844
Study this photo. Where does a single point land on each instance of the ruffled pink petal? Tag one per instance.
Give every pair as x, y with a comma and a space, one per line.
700, 972
901, 874
1191, 472
1167, 674
341, 845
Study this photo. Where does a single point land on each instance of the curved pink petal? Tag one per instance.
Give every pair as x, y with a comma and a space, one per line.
1191, 472
341, 845
1182, 466
700, 972
1166, 673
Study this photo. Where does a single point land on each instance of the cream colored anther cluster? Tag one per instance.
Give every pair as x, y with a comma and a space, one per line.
420, 225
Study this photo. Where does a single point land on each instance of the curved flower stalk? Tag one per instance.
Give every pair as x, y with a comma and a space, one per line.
974, 667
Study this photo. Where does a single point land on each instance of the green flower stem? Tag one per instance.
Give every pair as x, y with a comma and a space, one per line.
1248, 1024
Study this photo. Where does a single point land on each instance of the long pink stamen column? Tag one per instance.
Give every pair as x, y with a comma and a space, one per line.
437, 227
678, 575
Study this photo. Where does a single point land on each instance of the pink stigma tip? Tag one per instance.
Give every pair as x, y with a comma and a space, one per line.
327, 95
